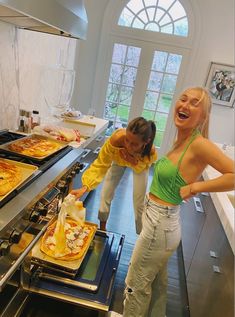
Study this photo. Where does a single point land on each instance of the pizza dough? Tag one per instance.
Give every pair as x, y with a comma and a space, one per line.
10, 177
69, 241
35, 147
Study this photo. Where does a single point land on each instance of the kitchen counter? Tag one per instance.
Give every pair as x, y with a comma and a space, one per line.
223, 201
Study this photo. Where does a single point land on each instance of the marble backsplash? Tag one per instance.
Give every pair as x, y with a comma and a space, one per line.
35, 69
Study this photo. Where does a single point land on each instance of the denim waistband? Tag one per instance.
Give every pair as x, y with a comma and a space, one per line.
171, 209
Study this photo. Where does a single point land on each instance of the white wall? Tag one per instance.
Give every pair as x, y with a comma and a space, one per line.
214, 43
32, 67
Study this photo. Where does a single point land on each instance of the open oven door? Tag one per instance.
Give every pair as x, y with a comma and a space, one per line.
93, 283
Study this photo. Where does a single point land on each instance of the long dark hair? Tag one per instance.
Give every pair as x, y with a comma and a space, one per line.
146, 129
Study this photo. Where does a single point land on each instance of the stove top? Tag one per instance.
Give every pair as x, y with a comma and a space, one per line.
43, 165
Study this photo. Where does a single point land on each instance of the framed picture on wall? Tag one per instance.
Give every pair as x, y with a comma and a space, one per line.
220, 83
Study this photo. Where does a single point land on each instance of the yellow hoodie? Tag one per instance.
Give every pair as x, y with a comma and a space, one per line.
94, 175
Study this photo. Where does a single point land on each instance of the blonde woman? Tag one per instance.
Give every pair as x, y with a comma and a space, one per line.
176, 178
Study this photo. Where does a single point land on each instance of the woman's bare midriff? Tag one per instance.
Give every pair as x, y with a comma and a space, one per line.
158, 200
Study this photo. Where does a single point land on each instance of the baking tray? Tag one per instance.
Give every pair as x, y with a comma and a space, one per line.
67, 267
26, 169
83, 125
61, 144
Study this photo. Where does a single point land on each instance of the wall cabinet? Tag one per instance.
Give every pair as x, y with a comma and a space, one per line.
209, 262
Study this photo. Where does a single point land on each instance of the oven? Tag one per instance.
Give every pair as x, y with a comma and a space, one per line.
25, 215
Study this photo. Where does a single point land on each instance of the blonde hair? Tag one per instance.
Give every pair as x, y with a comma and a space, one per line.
205, 100
203, 127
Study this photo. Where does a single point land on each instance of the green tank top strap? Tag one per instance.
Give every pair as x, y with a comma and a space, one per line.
193, 136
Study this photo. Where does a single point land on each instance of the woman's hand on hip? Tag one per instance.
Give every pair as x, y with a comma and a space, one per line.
187, 192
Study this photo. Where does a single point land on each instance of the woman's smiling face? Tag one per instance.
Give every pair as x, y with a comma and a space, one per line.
189, 109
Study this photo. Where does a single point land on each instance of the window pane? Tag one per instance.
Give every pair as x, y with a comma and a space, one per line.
181, 27
116, 73
151, 99
133, 56
155, 81
165, 102
126, 18
152, 27
159, 61
149, 115
165, 20
123, 113
173, 63
119, 53
165, 4
129, 76
177, 11
143, 16
126, 95
167, 29
158, 139
151, 12
161, 119
157, 16
169, 83
110, 111
138, 24
112, 93
135, 5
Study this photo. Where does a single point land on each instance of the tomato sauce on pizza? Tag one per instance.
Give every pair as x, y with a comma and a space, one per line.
70, 243
34, 147
10, 177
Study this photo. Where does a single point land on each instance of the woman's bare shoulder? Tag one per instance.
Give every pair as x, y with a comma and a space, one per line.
117, 138
205, 150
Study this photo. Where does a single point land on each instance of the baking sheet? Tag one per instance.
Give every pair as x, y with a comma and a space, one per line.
26, 169
61, 144
67, 266
85, 127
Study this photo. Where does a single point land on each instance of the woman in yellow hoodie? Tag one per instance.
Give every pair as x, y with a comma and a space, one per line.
131, 147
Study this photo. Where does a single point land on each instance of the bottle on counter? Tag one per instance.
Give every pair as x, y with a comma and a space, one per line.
21, 126
28, 122
35, 119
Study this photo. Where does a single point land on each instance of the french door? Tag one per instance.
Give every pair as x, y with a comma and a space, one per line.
142, 81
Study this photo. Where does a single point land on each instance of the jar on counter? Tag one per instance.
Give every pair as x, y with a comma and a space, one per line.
35, 118
21, 125
28, 122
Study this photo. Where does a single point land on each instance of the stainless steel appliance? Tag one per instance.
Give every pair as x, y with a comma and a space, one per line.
24, 216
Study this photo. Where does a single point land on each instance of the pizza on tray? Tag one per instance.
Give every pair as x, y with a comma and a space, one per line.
35, 147
10, 177
69, 241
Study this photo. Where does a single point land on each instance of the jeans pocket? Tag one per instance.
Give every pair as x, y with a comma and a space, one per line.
172, 238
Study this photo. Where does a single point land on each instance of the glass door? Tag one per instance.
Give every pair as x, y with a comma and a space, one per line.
142, 82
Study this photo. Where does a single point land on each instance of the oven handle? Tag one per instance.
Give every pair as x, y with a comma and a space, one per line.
84, 167
120, 248
20, 259
85, 153
67, 281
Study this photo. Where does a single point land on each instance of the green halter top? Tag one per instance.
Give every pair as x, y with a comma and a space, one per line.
167, 180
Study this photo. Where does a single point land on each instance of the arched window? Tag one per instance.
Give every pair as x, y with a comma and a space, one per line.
165, 16
148, 47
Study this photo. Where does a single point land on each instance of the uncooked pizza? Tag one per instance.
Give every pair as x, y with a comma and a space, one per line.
10, 177
69, 242
34, 147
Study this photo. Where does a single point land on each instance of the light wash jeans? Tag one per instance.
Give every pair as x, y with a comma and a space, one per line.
146, 281
111, 181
